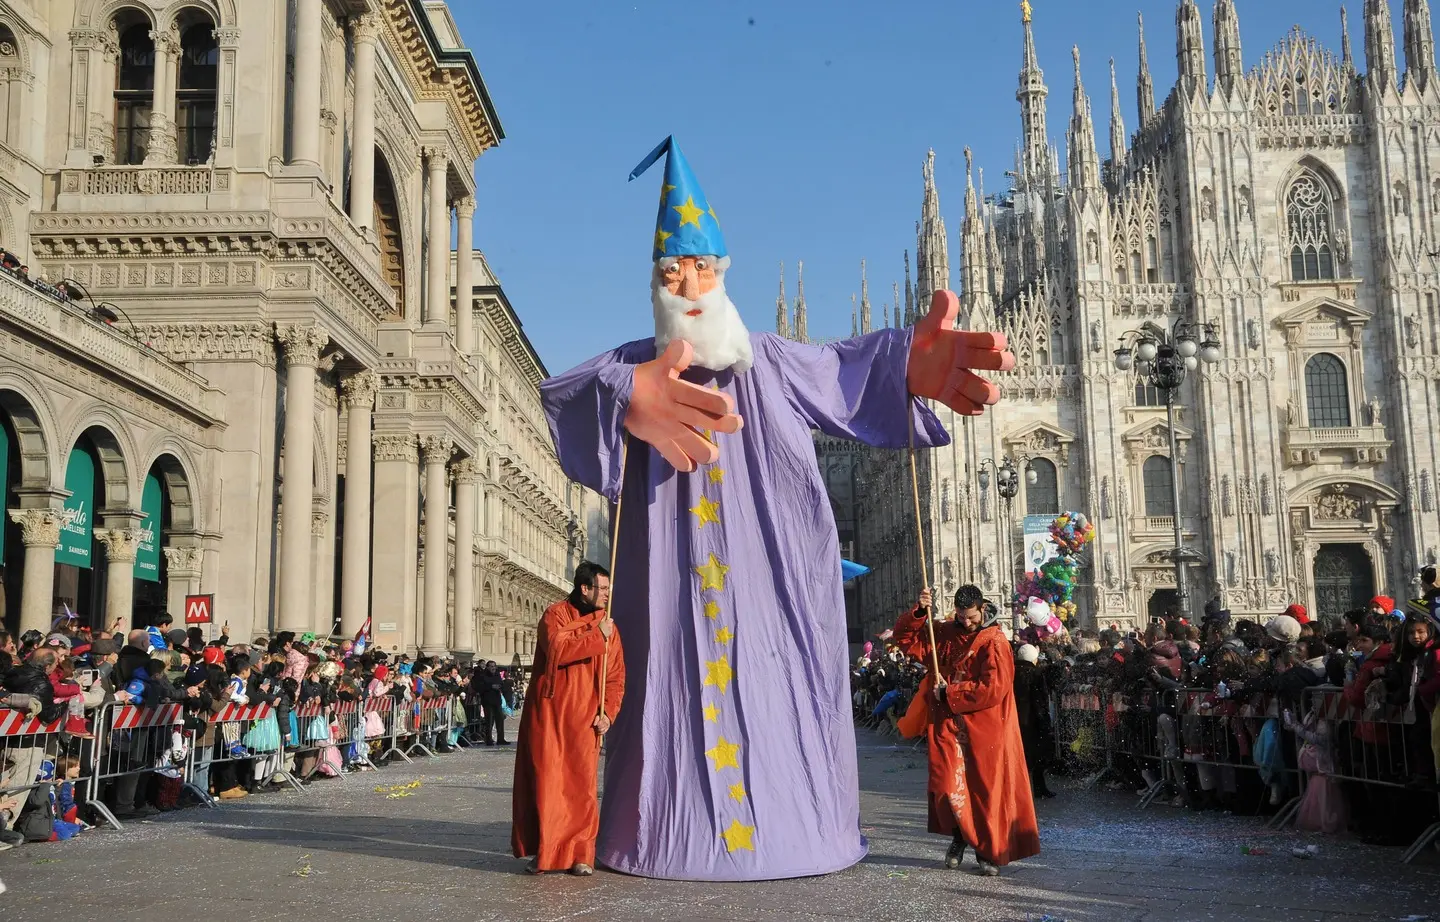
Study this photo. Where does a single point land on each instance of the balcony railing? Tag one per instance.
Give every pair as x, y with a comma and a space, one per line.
1361, 444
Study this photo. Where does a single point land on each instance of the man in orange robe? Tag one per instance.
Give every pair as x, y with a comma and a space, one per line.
556, 813
979, 788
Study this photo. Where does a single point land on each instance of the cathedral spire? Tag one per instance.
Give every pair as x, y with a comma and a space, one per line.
1145, 86
1419, 43
1190, 48
802, 327
1031, 96
1346, 58
782, 308
895, 293
974, 249
854, 317
1379, 44
885, 311
909, 293
1228, 67
932, 258
864, 300
1117, 124
1080, 152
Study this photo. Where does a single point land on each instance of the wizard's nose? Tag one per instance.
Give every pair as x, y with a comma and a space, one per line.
689, 282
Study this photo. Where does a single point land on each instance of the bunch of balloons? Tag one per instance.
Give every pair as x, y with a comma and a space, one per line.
1053, 586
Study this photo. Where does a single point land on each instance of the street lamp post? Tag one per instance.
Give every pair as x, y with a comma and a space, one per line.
1162, 361
1007, 484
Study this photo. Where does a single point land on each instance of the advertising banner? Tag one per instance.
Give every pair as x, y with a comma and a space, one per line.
147, 556
76, 524
1039, 546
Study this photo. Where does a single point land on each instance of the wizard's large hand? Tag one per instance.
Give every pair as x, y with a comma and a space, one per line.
942, 359
670, 413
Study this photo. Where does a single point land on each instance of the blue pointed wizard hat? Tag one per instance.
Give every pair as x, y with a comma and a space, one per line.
686, 225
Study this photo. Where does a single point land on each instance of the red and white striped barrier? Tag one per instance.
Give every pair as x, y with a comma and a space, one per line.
19, 723
130, 717
235, 712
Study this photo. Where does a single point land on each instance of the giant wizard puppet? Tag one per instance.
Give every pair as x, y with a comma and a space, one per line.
733, 757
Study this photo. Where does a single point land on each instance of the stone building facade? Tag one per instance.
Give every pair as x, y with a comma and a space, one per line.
256, 381
1294, 205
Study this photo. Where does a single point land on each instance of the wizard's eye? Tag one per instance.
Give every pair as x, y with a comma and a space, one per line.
701, 265
672, 269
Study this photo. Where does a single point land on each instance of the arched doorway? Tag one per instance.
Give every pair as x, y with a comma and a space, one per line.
389, 232
1164, 603
1344, 579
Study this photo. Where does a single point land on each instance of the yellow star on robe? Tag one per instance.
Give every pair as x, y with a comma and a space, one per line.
712, 713
665, 190
689, 214
712, 574
718, 673
723, 636
712, 609
737, 792
738, 837
716, 475
712, 216
724, 754
708, 511
660, 238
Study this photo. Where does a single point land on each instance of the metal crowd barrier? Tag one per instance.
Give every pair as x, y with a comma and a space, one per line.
131, 742
1081, 734
26, 743
236, 743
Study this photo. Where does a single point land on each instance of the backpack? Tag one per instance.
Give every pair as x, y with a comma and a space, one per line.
37, 817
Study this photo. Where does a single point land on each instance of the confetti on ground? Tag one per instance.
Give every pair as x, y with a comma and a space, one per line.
1253, 850
396, 791
304, 869
900, 874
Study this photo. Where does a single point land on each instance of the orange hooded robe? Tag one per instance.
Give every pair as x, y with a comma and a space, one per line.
555, 811
978, 780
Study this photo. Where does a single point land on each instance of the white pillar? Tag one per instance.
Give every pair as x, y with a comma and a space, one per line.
359, 391
120, 545
465, 275
395, 539
466, 501
436, 450
302, 352
183, 567
40, 532
362, 142
305, 121
437, 292
163, 147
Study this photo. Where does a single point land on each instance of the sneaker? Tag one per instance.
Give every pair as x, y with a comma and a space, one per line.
581, 869
955, 855
533, 867
234, 794
9, 838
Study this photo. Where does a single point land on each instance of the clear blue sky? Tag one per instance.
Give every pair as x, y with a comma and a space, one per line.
806, 123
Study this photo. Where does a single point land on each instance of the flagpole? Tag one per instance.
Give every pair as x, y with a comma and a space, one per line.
920, 542
614, 550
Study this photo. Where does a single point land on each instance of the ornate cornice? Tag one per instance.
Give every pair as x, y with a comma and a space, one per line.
212, 342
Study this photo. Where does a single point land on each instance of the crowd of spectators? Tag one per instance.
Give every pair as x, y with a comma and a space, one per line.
1242, 715
70, 674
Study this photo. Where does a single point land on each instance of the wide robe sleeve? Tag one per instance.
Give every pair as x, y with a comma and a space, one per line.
855, 389
570, 643
586, 409
910, 635
614, 677
994, 671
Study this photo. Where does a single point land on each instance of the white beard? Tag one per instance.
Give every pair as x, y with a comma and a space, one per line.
718, 335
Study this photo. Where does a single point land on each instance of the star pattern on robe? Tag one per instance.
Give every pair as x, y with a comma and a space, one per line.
712, 609
723, 636
712, 713
737, 792
738, 836
724, 754
716, 475
689, 213
718, 673
712, 574
706, 512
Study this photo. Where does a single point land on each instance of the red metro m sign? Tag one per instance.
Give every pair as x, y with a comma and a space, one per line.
199, 609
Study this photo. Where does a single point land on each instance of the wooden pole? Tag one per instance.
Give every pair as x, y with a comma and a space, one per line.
920, 542
614, 549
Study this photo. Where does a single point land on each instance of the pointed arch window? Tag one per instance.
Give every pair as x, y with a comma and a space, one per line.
1310, 229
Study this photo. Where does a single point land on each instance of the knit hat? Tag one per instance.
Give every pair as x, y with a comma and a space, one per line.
1028, 653
382, 672
1298, 612
1385, 602
1283, 628
214, 656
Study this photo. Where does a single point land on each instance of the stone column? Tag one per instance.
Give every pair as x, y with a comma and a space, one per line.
465, 275
466, 501
163, 148
40, 532
395, 540
120, 547
183, 567
359, 393
302, 352
436, 452
362, 142
322, 564
437, 291
305, 120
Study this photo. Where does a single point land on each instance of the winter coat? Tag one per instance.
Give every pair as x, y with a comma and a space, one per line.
26, 679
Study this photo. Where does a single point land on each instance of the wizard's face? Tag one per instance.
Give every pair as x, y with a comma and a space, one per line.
688, 294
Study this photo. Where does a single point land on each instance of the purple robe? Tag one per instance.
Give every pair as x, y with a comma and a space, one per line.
733, 757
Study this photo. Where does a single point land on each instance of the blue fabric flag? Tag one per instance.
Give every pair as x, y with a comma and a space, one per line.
849, 571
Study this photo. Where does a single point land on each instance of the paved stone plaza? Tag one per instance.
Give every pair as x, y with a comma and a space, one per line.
342, 849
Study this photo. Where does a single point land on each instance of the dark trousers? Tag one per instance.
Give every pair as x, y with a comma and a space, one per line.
492, 721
